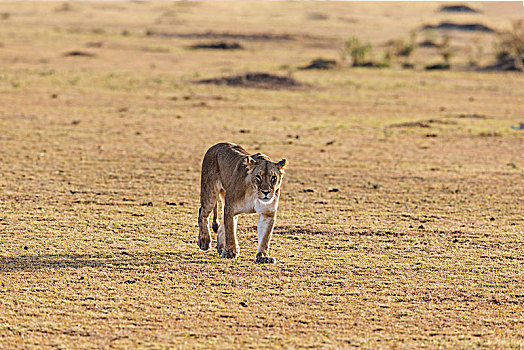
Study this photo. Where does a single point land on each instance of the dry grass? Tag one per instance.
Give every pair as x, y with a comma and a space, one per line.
99, 161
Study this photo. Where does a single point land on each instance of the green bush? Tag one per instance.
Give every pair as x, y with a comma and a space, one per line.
358, 51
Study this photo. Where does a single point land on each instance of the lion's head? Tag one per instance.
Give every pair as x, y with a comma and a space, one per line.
265, 175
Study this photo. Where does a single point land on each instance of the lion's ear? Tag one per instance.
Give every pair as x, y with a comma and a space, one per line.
282, 165
250, 162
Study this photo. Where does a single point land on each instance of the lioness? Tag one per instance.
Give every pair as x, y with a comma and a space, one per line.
245, 184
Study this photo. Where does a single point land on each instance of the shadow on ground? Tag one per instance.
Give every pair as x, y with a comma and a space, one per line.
64, 261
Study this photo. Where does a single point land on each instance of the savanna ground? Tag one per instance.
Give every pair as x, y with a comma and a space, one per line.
422, 244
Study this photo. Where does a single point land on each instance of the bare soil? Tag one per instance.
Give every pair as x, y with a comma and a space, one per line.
386, 237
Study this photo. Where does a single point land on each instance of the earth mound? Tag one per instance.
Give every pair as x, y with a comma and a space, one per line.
458, 8
221, 45
255, 80
321, 63
469, 27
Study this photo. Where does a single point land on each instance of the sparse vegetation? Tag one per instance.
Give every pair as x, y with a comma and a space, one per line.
400, 219
358, 51
399, 48
510, 48
446, 53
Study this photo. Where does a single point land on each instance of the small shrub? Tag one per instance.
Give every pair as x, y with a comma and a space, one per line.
406, 49
358, 51
475, 52
400, 48
445, 50
510, 48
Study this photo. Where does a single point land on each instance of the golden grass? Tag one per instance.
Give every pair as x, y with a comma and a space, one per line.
100, 159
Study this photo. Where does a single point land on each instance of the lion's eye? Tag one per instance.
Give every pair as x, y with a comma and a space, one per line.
273, 179
258, 178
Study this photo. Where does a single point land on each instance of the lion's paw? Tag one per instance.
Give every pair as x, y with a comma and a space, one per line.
266, 260
229, 254
204, 242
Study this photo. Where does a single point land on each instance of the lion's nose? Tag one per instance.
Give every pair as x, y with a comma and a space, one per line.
265, 192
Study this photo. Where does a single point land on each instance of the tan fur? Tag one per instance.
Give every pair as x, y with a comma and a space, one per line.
243, 183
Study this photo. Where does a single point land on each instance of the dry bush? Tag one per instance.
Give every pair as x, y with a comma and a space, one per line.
510, 48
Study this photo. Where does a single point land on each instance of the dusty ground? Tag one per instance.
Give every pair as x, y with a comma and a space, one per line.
422, 244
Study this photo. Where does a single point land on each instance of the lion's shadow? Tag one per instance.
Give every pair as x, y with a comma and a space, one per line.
67, 261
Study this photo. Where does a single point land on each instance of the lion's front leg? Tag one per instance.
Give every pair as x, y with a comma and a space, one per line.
265, 230
231, 248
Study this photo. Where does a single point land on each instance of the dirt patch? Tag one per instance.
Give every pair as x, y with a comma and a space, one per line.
321, 63
224, 35
469, 27
471, 116
255, 80
79, 54
222, 45
458, 9
422, 123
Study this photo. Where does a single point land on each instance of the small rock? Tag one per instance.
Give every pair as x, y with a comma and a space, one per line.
243, 303
26, 247
421, 227
492, 219
308, 190
333, 190
329, 143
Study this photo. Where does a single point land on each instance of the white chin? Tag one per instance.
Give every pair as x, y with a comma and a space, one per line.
266, 199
